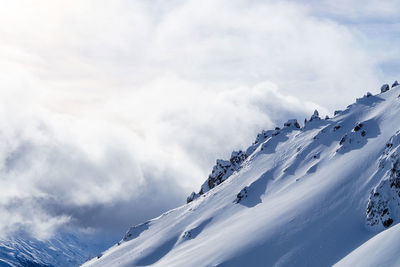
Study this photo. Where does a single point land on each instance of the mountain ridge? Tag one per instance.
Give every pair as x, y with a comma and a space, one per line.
305, 191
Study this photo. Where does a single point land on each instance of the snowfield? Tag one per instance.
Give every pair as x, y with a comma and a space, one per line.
315, 195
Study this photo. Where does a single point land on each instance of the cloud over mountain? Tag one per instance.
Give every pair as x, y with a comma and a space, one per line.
113, 112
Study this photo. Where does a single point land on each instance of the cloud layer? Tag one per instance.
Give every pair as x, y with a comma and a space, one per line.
112, 112
133, 158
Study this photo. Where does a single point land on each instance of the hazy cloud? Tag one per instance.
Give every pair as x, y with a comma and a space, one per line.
141, 154
111, 112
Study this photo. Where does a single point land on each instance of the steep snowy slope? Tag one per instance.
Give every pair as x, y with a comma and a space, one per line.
297, 197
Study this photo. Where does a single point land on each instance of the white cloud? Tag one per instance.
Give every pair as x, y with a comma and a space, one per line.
148, 147
107, 107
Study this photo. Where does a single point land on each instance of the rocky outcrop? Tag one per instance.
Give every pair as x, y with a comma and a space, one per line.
383, 208
223, 169
315, 116
353, 139
242, 194
292, 123
220, 172
385, 88
337, 112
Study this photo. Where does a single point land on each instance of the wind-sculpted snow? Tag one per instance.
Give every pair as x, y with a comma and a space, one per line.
193, 232
359, 135
298, 196
135, 231
224, 169
251, 195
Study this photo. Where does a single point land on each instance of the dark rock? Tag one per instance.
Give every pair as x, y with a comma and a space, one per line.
384, 200
385, 88
237, 157
315, 116
276, 132
343, 139
242, 194
261, 137
191, 197
385, 211
292, 122
220, 172
358, 127
388, 222
337, 112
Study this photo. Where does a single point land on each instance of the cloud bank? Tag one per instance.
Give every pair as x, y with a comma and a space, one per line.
113, 112
140, 156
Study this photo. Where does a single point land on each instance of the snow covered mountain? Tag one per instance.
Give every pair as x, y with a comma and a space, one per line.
63, 249
322, 194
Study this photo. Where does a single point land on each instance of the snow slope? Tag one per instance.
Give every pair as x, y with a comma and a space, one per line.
299, 197
380, 251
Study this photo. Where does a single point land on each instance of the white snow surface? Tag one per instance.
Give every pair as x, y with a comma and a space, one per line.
380, 251
304, 205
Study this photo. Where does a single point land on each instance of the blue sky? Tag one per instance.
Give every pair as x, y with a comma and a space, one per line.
113, 112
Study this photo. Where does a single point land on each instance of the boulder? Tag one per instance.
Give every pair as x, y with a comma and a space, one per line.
191, 197
358, 126
242, 194
385, 88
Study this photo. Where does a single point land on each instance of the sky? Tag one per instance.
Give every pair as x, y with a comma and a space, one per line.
112, 112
